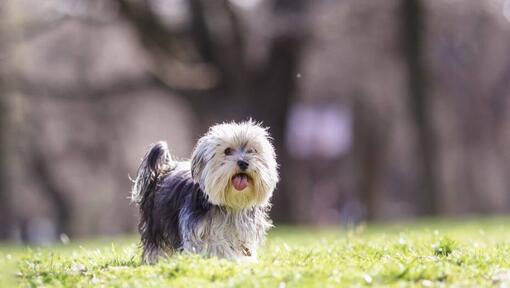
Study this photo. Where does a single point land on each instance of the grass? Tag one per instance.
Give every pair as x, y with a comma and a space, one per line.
474, 253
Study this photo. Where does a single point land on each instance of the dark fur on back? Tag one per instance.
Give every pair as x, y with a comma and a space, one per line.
176, 191
161, 190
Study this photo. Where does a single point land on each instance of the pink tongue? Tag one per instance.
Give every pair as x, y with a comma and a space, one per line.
240, 182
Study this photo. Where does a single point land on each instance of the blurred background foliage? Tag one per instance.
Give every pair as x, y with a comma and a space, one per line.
380, 110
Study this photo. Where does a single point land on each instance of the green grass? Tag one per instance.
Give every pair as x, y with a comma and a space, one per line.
424, 254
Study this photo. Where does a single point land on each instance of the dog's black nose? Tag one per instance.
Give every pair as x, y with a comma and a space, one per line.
242, 164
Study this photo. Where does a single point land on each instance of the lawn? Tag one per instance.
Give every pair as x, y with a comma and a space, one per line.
470, 253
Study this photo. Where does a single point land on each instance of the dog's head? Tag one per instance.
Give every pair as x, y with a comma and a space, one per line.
235, 165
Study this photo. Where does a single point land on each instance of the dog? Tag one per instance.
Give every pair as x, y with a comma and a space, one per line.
217, 203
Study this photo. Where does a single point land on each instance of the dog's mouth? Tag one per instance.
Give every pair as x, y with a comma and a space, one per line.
240, 181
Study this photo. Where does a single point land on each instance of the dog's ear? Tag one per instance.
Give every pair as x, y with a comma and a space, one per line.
198, 159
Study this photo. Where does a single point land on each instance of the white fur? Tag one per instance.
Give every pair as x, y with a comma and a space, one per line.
227, 233
213, 170
235, 227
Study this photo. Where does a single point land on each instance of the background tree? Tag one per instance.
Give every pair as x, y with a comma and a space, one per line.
263, 91
413, 41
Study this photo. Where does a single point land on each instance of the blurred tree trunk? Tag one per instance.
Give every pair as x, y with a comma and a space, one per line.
5, 187
370, 146
5, 134
275, 95
51, 188
413, 34
41, 169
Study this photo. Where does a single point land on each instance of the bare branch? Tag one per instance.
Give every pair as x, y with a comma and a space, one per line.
236, 30
200, 32
41, 88
118, 88
152, 32
35, 29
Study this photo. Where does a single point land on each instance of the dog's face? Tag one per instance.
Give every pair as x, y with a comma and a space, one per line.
235, 165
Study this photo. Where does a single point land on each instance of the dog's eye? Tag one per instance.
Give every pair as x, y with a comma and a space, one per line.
228, 151
250, 150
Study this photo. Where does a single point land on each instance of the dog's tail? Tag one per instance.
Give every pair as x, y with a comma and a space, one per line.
155, 164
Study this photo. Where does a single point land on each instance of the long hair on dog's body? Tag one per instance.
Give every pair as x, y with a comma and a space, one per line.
216, 204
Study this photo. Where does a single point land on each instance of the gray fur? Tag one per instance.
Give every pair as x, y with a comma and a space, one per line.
224, 232
192, 206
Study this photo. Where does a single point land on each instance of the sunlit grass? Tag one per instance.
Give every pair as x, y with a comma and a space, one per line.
425, 253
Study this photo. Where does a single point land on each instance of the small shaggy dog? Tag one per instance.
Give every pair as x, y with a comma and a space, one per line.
217, 203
